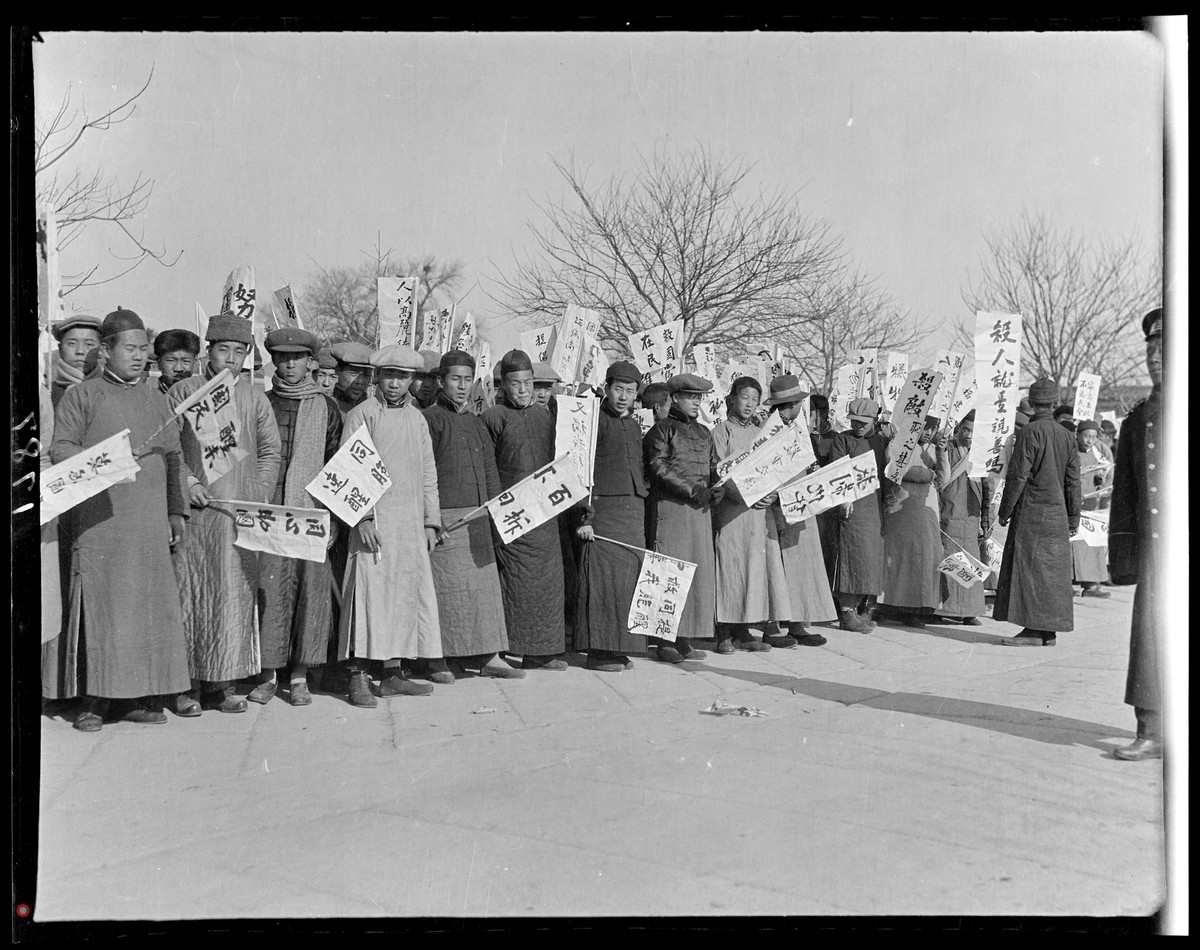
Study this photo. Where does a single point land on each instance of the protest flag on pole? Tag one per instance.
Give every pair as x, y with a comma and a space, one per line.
659, 596
353, 480
87, 473
1087, 394
964, 569
538, 343
658, 351
279, 529
211, 414
575, 433
838, 483
397, 297
536, 498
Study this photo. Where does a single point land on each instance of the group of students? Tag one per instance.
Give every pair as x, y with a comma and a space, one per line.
158, 604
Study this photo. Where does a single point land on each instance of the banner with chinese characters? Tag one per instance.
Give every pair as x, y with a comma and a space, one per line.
892, 371
712, 403
997, 373
430, 336
658, 351
949, 364
704, 358
1087, 394
239, 297
964, 397
536, 499
353, 480
1093, 529
212, 416
286, 314
845, 390
645, 418
867, 380
468, 334
995, 555
918, 394
277, 529
780, 460
483, 390
397, 311
773, 427
659, 596
538, 343
964, 569
575, 433
566, 357
594, 364
445, 329
87, 473
846, 480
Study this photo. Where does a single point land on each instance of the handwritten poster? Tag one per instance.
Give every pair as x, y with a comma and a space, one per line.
353, 480
659, 596
997, 375
397, 311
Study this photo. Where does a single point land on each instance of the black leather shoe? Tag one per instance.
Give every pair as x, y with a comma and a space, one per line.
1140, 749
397, 685
811, 640
360, 690
1028, 640
726, 647
223, 700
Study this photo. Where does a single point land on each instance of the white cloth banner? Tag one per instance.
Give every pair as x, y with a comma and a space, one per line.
397, 311
645, 418
995, 555
594, 364
659, 596
87, 473
892, 371
353, 480
536, 498
919, 392
445, 330
201, 321
781, 460
964, 569
468, 335
538, 343
845, 390
1087, 394
239, 297
577, 323
212, 415
658, 351
430, 332
483, 390
575, 433
867, 380
997, 374
949, 364
838, 483
964, 398
277, 529
286, 313
1093, 529
704, 358
712, 404
772, 428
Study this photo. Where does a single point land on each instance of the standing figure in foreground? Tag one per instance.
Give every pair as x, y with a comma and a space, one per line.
218, 582
1041, 498
123, 639
1135, 548
964, 509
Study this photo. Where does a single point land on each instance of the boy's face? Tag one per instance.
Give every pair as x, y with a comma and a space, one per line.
518, 388
542, 393
744, 403
227, 354
621, 395
326, 379
291, 365
456, 383
76, 344
687, 403
126, 354
394, 384
353, 380
176, 365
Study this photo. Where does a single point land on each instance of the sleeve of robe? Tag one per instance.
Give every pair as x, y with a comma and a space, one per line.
491, 474
722, 448
433, 510
333, 429
70, 424
270, 448
178, 500
1122, 520
1071, 491
1020, 465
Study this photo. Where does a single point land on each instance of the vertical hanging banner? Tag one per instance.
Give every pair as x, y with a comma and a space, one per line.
50, 305
964, 398
919, 392
1087, 394
430, 335
536, 499
997, 374
949, 364
891, 372
445, 329
201, 322
483, 390
285, 308
574, 326
658, 351
704, 358
868, 387
468, 335
353, 480
85, 474
212, 415
645, 418
238, 294
397, 311
845, 390
712, 403
575, 433
538, 343
659, 596
594, 364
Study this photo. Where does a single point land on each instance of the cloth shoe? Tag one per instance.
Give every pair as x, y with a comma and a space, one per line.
806, 638
263, 692
750, 644
137, 711
1096, 591
298, 694
916, 620
849, 619
1140, 749
501, 671
436, 670
223, 700
668, 654
780, 641
971, 622
725, 647
544, 663
398, 685
1027, 639
687, 651
604, 662
360, 690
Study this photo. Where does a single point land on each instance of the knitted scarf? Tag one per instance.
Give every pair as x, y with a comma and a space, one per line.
308, 438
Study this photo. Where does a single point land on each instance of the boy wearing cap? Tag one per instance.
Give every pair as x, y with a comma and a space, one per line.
175, 351
544, 382
1095, 473
123, 641
353, 374
679, 456
297, 607
325, 372
389, 603
218, 582
77, 336
425, 384
531, 566
470, 605
1042, 500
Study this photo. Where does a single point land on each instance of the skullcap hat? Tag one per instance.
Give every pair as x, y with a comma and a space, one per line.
1086, 425
1043, 392
515, 361
455, 358
119, 321
623, 371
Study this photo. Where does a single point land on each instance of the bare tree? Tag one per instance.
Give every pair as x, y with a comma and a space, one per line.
678, 240
1081, 300
342, 303
81, 198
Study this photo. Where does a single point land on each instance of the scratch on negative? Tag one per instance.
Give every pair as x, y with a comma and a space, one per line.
474, 848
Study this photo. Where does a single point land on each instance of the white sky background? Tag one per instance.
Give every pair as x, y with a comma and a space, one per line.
280, 149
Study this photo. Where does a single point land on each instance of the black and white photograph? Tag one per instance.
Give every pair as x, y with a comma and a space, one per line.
706, 473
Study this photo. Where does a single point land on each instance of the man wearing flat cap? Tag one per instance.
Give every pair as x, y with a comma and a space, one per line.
325, 372
218, 582
465, 577
544, 381
531, 566
681, 461
1042, 500
353, 374
176, 352
77, 336
122, 644
1135, 547
296, 594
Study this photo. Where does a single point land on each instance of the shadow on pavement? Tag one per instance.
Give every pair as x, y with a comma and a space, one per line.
1026, 723
957, 632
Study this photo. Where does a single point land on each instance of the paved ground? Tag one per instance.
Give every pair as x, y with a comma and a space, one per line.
904, 772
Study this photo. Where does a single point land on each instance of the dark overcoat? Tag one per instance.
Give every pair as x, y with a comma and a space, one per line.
1041, 502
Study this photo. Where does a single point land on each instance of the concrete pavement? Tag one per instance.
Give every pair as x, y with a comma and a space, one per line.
901, 772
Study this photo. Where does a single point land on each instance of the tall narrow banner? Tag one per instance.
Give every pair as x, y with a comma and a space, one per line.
468, 335
353, 480
594, 364
483, 390
997, 375
239, 296
712, 403
949, 364
445, 328
867, 381
201, 322
892, 371
576, 323
918, 395
658, 351
278, 529
780, 460
538, 343
1087, 394
286, 308
838, 483
659, 596
87, 473
430, 334
964, 398
212, 415
397, 311
536, 499
845, 391
704, 358
575, 433
964, 569
645, 418
50, 303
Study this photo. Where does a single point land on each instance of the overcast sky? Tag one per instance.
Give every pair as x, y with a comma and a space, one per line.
279, 150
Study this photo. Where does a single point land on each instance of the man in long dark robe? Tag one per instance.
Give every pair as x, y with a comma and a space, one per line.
858, 577
1135, 550
531, 567
608, 573
123, 645
1041, 499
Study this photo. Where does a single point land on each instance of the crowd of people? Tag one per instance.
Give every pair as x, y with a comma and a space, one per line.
148, 602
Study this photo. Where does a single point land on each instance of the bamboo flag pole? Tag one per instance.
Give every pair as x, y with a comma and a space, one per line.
632, 547
463, 520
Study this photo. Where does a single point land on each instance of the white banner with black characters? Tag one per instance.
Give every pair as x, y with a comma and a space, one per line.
704, 359
353, 480
87, 473
995, 555
773, 427
468, 334
997, 373
845, 390
892, 370
1087, 394
286, 311
238, 295
781, 460
658, 351
964, 397
964, 569
949, 364
430, 334
846, 480
575, 433
538, 343
397, 311
212, 416
594, 364
918, 394
577, 323
645, 419
277, 529
659, 596
536, 498
1093, 529
868, 387
483, 390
